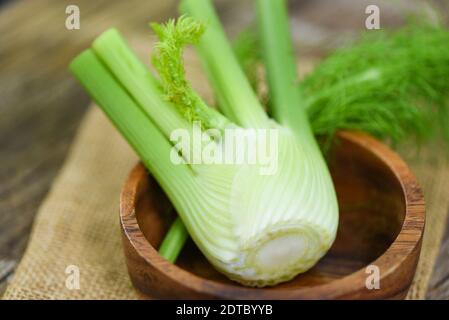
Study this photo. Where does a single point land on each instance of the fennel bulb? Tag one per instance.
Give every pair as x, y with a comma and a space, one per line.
258, 229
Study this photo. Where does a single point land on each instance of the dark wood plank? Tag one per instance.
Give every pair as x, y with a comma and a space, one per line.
6, 271
439, 284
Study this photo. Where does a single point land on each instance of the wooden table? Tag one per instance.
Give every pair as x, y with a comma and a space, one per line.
41, 105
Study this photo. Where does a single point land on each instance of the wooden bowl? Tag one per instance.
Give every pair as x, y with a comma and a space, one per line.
381, 223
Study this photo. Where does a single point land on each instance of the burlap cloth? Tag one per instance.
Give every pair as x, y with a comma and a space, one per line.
78, 224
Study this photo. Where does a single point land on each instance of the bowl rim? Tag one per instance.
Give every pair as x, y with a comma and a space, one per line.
403, 247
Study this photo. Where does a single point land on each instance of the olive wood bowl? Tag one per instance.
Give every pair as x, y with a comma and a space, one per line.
381, 224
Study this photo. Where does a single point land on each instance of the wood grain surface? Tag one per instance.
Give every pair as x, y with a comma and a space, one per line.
41, 105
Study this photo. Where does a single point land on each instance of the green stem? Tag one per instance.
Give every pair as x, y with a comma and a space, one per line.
278, 54
174, 241
177, 181
114, 52
235, 96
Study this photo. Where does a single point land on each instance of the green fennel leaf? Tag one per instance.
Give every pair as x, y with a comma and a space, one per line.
390, 84
168, 61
